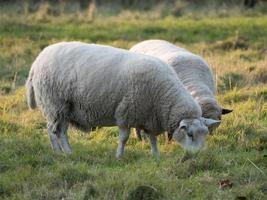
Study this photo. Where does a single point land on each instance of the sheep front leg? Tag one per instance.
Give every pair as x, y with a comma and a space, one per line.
123, 137
154, 148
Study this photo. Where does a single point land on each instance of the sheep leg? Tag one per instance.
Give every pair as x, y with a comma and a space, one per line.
53, 138
137, 133
124, 135
168, 138
154, 148
63, 138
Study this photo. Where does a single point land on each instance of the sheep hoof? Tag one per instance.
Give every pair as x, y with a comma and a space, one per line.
68, 151
57, 151
64, 144
118, 156
54, 144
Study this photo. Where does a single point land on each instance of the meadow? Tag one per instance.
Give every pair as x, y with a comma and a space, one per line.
233, 165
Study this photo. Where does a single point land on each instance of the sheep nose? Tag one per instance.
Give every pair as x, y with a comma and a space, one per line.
190, 134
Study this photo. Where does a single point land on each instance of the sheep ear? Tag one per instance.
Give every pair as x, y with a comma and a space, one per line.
226, 111
211, 123
182, 126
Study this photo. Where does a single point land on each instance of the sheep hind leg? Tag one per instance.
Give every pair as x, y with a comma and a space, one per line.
58, 137
63, 138
137, 133
53, 138
123, 138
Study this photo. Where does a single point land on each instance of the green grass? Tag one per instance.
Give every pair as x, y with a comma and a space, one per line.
236, 151
235, 47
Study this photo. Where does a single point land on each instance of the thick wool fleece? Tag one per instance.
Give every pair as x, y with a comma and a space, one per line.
92, 85
191, 69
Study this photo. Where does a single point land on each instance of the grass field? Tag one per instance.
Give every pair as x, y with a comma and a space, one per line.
232, 166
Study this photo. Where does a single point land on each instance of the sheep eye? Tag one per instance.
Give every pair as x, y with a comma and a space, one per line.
183, 128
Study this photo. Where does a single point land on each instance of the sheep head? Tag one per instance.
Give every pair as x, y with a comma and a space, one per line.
192, 133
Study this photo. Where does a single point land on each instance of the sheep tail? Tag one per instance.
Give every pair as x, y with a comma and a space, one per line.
30, 92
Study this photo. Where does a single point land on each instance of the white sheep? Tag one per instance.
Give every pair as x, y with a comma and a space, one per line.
192, 70
90, 85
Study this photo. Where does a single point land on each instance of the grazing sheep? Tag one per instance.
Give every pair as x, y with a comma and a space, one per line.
90, 85
191, 69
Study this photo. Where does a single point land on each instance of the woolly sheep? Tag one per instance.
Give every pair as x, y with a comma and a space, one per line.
192, 70
90, 85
